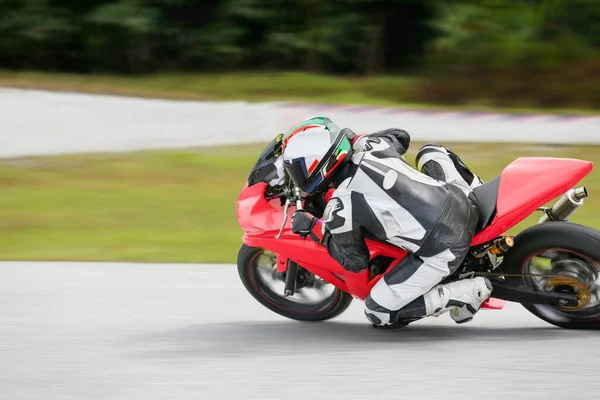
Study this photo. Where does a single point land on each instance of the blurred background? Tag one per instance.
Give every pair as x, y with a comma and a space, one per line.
527, 57
526, 53
128, 129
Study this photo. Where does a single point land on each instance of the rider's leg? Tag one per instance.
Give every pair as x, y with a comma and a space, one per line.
399, 295
411, 289
443, 164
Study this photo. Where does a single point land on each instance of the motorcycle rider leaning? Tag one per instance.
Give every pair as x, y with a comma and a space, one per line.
429, 211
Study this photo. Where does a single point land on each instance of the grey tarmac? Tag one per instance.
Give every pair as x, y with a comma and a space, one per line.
91, 331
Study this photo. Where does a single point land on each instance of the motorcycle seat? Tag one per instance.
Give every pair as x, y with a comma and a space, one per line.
487, 196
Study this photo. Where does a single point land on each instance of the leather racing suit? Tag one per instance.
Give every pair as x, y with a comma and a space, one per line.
428, 211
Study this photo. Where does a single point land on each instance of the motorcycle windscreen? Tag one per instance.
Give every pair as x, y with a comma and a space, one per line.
264, 169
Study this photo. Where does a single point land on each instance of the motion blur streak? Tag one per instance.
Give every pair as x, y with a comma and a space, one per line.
69, 123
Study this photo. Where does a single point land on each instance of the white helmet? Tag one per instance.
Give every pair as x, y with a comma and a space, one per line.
313, 151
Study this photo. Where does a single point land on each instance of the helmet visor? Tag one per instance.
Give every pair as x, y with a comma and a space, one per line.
298, 173
309, 178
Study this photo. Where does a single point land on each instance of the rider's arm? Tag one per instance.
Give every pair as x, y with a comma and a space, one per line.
342, 236
338, 232
348, 248
392, 138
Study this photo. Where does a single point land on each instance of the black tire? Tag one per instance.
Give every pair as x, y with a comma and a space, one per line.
566, 236
329, 308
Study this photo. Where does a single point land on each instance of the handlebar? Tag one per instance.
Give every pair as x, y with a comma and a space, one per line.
290, 195
297, 197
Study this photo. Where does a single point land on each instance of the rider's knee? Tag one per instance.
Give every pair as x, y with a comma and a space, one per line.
431, 145
428, 152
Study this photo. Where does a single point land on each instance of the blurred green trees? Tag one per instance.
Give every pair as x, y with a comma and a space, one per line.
531, 34
454, 40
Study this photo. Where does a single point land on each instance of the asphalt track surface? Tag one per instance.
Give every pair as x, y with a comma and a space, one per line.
127, 331
36, 122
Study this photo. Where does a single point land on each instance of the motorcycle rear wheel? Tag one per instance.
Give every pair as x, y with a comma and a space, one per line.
250, 262
566, 249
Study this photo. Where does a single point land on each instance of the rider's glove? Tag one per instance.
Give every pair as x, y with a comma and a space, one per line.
304, 224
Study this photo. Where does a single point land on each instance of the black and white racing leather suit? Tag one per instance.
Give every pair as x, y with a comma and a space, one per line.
431, 214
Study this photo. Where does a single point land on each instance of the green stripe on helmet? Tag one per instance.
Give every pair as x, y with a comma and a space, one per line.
325, 121
343, 146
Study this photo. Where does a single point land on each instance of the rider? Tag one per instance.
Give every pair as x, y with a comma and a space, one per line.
430, 212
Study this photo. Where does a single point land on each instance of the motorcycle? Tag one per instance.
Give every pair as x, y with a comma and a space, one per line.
551, 268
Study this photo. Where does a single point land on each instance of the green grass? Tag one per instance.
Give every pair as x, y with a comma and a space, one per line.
253, 87
171, 206
234, 86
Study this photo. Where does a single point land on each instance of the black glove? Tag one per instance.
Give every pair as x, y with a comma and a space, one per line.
304, 224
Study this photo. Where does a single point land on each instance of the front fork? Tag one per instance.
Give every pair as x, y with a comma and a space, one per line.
290, 269
284, 264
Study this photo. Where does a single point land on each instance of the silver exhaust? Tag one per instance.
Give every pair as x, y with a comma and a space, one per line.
566, 206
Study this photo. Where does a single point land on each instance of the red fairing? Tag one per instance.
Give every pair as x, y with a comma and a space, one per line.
255, 214
261, 219
527, 184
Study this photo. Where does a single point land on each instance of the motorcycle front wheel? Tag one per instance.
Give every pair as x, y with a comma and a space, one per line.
314, 299
570, 254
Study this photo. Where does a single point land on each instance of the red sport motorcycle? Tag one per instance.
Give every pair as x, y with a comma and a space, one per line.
551, 268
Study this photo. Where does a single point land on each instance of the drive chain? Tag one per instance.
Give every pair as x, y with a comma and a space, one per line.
499, 274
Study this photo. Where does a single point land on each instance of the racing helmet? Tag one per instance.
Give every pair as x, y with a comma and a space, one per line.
313, 151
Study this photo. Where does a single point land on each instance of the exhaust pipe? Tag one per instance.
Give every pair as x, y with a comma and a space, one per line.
566, 206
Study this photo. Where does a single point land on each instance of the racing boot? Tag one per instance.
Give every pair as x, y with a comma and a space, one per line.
461, 298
